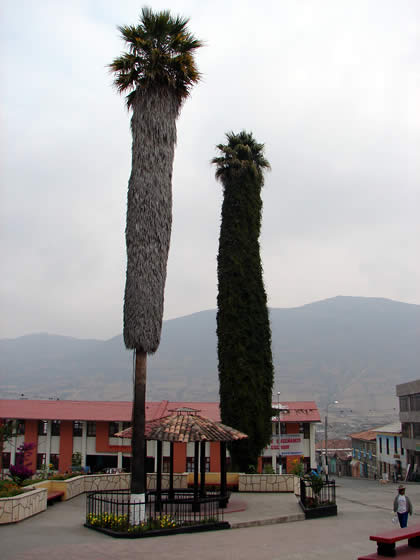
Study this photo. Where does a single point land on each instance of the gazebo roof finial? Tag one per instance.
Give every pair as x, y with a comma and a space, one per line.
185, 410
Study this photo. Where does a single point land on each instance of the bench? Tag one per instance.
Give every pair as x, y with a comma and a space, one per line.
53, 497
386, 543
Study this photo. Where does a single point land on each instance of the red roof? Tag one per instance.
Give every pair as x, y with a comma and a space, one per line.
369, 435
298, 411
111, 411
118, 411
184, 426
335, 444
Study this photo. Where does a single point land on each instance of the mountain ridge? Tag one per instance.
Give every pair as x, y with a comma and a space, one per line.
349, 348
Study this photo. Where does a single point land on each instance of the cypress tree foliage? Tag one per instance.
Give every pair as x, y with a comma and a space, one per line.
243, 329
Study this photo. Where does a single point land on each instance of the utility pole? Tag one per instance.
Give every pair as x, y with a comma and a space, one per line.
279, 430
326, 439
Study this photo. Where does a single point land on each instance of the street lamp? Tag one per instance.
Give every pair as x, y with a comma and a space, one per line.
279, 428
326, 439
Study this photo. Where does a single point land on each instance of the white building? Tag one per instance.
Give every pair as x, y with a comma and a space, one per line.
391, 457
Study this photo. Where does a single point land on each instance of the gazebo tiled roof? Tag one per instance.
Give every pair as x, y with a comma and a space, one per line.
186, 426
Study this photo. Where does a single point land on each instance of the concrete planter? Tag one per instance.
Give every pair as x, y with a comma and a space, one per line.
319, 511
22, 506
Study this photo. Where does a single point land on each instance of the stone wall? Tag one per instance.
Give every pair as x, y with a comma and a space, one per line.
267, 483
22, 506
101, 482
180, 481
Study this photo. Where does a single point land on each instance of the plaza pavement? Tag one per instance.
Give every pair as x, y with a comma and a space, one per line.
364, 507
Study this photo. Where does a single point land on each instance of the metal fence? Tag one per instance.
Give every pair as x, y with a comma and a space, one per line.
312, 494
115, 511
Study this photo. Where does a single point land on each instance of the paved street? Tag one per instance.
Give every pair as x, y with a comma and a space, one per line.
364, 507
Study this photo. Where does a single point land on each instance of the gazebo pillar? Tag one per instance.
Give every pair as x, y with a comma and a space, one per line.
171, 471
159, 476
223, 483
202, 469
196, 503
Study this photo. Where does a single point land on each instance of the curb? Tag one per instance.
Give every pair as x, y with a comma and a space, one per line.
270, 521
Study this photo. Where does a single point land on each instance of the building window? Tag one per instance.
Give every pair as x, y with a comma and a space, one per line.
403, 404
6, 460
416, 430
282, 428
190, 464
405, 427
91, 429
415, 402
395, 444
42, 427
20, 427
166, 466
126, 425
55, 427
54, 457
113, 428
387, 446
304, 429
77, 428
380, 445
40, 460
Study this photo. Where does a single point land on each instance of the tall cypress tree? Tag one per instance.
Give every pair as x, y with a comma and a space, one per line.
243, 328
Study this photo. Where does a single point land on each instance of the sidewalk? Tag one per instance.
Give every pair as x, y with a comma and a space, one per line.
364, 507
264, 509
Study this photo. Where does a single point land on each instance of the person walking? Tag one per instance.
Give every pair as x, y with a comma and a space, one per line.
402, 506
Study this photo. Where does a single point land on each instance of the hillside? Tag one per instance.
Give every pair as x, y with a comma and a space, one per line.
351, 349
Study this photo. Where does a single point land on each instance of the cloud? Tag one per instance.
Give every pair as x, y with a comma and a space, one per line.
331, 89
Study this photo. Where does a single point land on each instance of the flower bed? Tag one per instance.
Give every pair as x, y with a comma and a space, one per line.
118, 525
8, 489
116, 514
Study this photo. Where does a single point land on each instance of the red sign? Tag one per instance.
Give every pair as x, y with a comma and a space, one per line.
290, 444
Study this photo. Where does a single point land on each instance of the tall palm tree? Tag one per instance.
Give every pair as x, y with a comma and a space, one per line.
157, 72
243, 327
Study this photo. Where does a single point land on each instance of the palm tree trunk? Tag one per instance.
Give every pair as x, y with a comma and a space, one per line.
138, 442
138, 419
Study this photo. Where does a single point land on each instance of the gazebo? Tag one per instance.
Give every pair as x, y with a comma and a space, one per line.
186, 425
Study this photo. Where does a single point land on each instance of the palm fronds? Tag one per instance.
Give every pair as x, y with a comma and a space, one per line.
160, 54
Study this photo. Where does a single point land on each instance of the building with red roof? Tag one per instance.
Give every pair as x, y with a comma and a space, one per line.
60, 429
363, 464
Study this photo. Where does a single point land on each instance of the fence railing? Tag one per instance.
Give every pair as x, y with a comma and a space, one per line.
115, 511
312, 494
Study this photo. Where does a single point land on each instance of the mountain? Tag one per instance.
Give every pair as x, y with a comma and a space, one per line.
354, 350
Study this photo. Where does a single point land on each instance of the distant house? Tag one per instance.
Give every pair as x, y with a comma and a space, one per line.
339, 456
391, 458
363, 464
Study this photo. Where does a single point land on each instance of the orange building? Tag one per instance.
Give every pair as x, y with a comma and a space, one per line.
61, 429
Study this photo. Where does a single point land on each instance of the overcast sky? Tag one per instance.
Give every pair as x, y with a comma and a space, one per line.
331, 88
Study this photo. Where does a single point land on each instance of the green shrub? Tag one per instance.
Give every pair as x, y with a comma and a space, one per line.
8, 489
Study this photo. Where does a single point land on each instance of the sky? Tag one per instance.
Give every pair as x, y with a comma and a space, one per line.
330, 88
